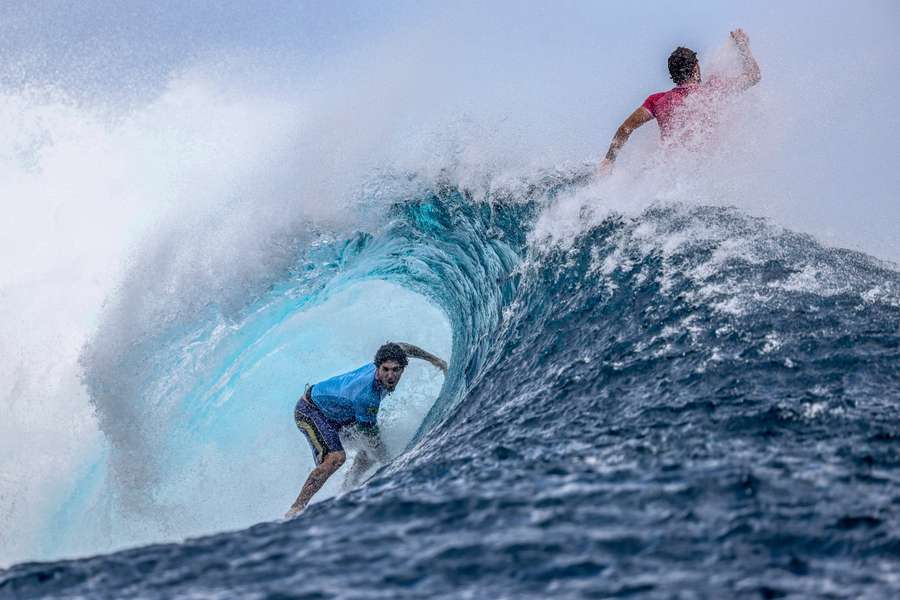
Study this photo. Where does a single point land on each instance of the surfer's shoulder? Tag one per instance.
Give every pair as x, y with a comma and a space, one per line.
652, 100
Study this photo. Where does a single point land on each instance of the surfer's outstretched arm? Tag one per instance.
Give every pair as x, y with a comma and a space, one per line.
750, 73
640, 116
416, 352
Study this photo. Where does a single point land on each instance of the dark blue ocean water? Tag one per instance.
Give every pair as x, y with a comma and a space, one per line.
688, 403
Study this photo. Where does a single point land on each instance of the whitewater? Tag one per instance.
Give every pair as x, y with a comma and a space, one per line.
678, 381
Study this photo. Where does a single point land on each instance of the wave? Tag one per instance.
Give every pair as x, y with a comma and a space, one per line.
628, 393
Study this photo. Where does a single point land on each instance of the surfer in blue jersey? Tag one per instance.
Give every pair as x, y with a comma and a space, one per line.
350, 400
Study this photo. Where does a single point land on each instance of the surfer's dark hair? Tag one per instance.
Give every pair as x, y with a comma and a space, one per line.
681, 64
391, 351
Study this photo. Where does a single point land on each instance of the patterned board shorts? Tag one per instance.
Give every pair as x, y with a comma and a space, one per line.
321, 433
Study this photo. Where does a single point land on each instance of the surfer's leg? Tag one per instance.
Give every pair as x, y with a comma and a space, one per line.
331, 463
325, 443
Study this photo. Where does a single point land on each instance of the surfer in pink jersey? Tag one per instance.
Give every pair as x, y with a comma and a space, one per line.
675, 110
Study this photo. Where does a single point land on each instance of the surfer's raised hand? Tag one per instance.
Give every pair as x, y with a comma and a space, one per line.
740, 38
751, 73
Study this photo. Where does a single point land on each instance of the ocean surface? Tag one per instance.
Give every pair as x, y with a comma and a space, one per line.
685, 402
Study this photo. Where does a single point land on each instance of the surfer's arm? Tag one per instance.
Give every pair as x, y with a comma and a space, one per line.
370, 431
640, 116
373, 450
372, 436
416, 352
750, 73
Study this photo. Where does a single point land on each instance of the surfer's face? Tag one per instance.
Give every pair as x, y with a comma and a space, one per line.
388, 374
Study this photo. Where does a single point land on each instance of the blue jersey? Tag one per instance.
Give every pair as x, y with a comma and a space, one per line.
353, 397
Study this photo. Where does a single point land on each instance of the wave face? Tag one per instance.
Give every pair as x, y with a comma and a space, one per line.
688, 399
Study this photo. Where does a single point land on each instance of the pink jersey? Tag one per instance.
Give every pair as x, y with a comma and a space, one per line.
666, 106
